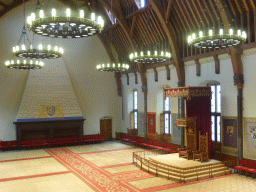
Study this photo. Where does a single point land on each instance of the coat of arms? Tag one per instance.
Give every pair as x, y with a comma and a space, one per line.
50, 110
253, 133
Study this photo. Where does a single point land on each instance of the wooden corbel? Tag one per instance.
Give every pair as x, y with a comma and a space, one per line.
118, 83
198, 67
168, 72
217, 63
156, 74
127, 78
136, 77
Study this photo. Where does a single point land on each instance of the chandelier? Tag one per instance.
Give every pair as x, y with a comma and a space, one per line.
64, 26
218, 40
113, 68
24, 64
150, 57
27, 50
154, 53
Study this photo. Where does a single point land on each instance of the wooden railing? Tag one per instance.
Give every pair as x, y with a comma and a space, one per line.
141, 159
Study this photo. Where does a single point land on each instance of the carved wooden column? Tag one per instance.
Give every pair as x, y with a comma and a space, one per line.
235, 53
142, 71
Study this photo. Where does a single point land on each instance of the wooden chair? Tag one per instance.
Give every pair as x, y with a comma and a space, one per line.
191, 143
203, 153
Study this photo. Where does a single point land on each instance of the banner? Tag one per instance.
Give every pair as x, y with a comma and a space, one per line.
229, 126
151, 117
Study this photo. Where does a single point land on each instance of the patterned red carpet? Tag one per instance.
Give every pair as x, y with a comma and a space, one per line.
98, 179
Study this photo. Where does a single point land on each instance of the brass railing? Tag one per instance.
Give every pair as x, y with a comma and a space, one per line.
141, 159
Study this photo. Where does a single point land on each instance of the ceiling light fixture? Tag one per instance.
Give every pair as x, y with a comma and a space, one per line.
60, 26
222, 39
113, 68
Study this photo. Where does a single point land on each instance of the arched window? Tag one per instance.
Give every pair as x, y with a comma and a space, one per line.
167, 116
216, 111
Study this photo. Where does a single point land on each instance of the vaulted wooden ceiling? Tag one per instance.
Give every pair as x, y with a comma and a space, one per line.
162, 23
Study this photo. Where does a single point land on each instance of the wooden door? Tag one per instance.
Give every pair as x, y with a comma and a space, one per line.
106, 128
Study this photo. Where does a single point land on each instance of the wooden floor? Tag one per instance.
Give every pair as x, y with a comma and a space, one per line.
72, 168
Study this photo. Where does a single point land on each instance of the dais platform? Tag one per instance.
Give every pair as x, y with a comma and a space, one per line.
183, 170
174, 160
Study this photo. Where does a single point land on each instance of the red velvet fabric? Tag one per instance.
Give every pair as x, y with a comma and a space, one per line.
200, 107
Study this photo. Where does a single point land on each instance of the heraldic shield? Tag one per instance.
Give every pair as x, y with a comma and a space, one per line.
51, 110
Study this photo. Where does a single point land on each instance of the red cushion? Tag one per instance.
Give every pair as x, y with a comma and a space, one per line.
251, 170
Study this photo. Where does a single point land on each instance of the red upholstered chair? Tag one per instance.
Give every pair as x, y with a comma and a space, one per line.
13, 144
240, 167
252, 170
5, 145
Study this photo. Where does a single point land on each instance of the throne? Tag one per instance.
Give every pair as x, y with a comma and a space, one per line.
203, 153
190, 125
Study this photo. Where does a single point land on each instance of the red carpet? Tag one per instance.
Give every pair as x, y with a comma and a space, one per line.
95, 176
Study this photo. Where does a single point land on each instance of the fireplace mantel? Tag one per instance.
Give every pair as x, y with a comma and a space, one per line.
48, 129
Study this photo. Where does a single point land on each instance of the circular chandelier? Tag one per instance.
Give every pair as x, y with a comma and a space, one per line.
38, 53
150, 57
24, 64
113, 68
64, 26
219, 40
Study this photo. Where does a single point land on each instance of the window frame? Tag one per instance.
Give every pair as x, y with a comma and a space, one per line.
168, 112
216, 114
135, 109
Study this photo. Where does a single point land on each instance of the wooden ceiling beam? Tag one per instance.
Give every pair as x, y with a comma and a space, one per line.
70, 3
120, 18
157, 25
168, 11
214, 8
183, 17
106, 43
11, 6
246, 6
208, 11
179, 64
193, 13
198, 12
238, 6
224, 14
252, 4
133, 26
202, 10
186, 13
3, 4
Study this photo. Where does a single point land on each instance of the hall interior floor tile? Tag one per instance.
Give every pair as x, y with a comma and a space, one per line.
30, 167
54, 183
10, 155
